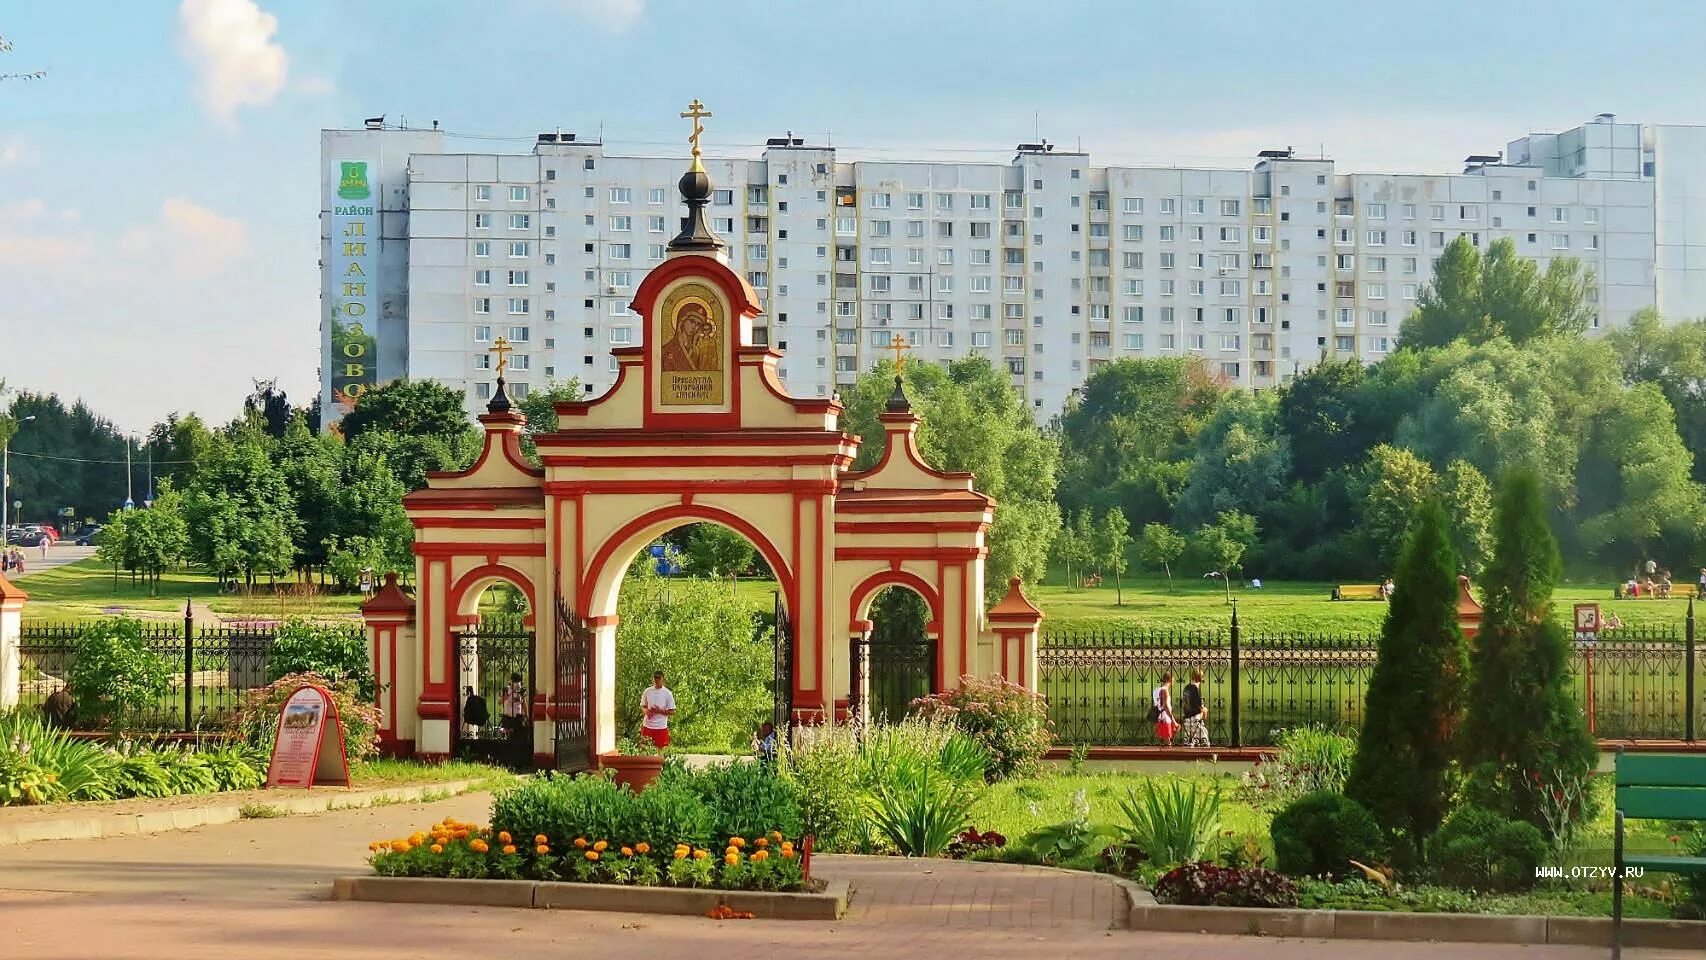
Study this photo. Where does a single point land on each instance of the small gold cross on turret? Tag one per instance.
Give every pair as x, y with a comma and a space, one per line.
501, 347
899, 345
697, 112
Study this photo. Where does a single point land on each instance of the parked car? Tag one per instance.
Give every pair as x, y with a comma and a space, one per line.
88, 536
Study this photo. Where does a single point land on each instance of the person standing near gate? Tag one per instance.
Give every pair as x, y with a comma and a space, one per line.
1193, 713
658, 704
514, 705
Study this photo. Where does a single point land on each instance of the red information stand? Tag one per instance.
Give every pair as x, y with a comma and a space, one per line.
303, 754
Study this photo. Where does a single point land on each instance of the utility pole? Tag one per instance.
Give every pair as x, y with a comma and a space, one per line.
129, 504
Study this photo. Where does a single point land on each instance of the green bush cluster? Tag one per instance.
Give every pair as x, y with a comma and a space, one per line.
39, 764
1319, 834
256, 719
1308, 759
334, 652
1009, 721
1480, 850
117, 676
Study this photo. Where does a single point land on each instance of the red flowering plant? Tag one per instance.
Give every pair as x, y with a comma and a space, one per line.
256, 720
1206, 885
1010, 722
971, 841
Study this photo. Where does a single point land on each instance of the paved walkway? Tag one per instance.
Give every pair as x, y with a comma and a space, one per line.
58, 555
255, 889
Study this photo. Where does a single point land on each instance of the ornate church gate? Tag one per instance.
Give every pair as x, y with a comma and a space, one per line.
498, 651
571, 703
782, 685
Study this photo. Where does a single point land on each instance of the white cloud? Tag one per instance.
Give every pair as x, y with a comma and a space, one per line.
612, 15
230, 43
186, 233
17, 150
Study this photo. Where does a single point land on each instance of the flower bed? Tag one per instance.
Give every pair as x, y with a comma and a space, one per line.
454, 849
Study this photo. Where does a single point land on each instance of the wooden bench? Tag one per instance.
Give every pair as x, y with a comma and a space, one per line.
1358, 591
1678, 591
1654, 786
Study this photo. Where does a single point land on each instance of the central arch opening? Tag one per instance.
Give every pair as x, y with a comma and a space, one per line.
700, 604
493, 654
901, 657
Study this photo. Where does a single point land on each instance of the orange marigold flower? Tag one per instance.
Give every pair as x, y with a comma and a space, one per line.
701, 854
762, 842
436, 848
642, 847
478, 846
761, 855
541, 838
601, 846
787, 854
592, 855
737, 842
417, 838
732, 859
504, 837
680, 853
509, 849
627, 851
542, 849
400, 846
580, 843
776, 836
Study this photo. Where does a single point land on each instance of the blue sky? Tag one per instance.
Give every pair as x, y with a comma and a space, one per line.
158, 189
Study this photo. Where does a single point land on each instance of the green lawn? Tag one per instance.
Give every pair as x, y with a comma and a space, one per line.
87, 588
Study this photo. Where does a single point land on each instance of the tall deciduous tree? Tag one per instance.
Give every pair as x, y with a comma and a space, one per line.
1113, 543
241, 516
1502, 294
540, 408
1223, 544
1241, 460
1162, 548
1324, 415
1402, 771
717, 551
420, 426
1525, 736
1394, 483
157, 537
1468, 501
973, 420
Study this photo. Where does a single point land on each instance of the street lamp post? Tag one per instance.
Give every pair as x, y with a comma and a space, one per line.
6, 479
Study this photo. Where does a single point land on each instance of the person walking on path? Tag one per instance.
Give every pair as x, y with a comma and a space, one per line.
1161, 710
514, 705
658, 703
1193, 713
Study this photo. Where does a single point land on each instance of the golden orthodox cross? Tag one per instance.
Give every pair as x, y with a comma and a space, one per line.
501, 347
697, 111
899, 345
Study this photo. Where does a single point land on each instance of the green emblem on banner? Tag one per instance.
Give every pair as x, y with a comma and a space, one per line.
352, 185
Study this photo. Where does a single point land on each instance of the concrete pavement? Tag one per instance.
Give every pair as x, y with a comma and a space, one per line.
58, 555
254, 889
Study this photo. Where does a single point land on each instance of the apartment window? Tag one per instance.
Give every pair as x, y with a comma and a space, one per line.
482, 278
1409, 291
879, 283
878, 201
945, 257
1409, 238
1197, 234
758, 195
621, 336
1377, 318
621, 279
980, 201
655, 225
846, 226
1590, 215
1196, 288
520, 221
1231, 234
1342, 208
1231, 341
520, 249
1468, 211
944, 201
623, 195
482, 221
724, 224
519, 334
881, 228
1262, 234
945, 284
915, 201
1436, 239
1436, 211
1231, 288
1132, 288
1560, 215
879, 256
981, 338
1131, 261
483, 334
1166, 233
482, 191
757, 251
1377, 211
980, 285
1167, 260
1196, 205
1231, 315
1346, 317
1593, 242
618, 308
722, 198
1377, 238
657, 195
1166, 314
482, 248
982, 229
1345, 261
621, 251
482, 304
655, 251
1375, 291
482, 391
1196, 341
983, 257
1131, 315
1169, 341
1343, 237
518, 194
1560, 241
1262, 206
1166, 288
1169, 205
945, 230
518, 278
1131, 231
1410, 266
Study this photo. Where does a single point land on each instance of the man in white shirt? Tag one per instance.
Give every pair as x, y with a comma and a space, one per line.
659, 705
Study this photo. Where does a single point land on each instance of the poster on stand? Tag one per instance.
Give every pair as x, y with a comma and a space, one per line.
309, 748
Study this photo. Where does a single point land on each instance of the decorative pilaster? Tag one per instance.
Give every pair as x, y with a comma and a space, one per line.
390, 621
1017, 624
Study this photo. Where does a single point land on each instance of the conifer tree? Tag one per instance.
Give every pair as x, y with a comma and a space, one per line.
1402, 771
1526, 739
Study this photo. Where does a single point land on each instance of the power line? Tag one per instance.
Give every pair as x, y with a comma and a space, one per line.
44, 456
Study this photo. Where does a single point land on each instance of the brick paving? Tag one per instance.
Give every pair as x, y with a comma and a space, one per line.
255, 890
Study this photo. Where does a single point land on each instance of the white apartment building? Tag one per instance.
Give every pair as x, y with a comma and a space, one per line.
1047, 264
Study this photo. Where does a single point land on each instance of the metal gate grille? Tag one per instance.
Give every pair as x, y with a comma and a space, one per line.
572, 697
783, 682
495, 662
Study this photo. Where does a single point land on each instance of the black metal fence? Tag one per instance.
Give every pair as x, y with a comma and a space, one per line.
1634, 683
212, 666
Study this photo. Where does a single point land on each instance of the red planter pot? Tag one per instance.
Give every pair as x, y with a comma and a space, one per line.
636, 772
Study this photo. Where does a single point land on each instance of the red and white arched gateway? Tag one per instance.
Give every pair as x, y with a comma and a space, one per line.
697, 428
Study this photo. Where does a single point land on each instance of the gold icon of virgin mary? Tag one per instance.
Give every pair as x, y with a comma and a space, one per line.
693, 358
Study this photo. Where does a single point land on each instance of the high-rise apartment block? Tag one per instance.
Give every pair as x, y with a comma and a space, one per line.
1048, 264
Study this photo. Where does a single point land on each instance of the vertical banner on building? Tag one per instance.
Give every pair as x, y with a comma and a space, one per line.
352, 301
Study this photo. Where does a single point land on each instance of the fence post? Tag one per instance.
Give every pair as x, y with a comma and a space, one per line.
189, 666
1688, 667
1237, 708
